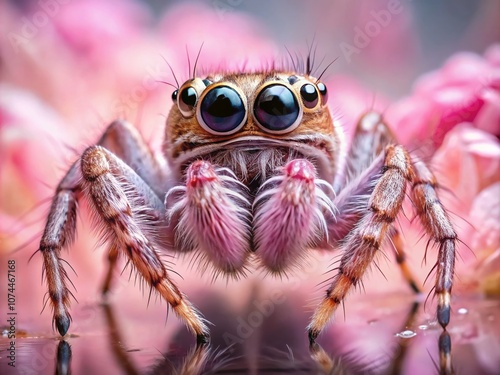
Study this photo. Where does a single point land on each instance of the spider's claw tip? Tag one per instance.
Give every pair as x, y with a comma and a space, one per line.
313, 335
445, 342
202, 339
62, 324
443, 309
414, 287
443, 315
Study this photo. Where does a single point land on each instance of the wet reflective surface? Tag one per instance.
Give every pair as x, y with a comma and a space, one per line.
380, 334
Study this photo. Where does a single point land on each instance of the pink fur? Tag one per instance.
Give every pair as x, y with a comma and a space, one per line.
288, 217
214, 217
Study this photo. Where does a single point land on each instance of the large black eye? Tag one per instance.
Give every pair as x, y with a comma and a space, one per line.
222, 110
309, 95
323, 91
187, 100
276, 108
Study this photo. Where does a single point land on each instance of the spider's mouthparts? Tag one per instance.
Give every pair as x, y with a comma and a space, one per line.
295, 194
214, 216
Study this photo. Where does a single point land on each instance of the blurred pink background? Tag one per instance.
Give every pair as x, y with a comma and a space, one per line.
67, 68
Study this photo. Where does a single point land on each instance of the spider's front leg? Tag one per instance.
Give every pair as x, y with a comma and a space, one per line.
112, 190
361, 244
131, 215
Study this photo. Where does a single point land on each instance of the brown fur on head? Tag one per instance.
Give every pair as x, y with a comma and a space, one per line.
314, 136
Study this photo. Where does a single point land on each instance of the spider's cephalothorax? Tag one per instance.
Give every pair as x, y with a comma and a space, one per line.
255, 172
252, 124
240, 141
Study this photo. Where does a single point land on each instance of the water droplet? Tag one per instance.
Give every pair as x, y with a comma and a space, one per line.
407, 334
462, 310
469, 332
423, 327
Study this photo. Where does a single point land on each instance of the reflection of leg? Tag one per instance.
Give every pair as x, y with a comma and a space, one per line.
117, 343
333, 366
396, 365
195, 361
63, 358
324, 361
400, 254
193, 364
112, 258
445, 365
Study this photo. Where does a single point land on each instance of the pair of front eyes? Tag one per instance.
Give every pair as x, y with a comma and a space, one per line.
222, 107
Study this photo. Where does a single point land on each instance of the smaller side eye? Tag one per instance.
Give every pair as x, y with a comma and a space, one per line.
174, 96
323, 91
186, 100
207, 82
292, 79
309, 95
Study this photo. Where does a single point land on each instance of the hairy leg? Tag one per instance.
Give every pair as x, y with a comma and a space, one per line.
400, 256
60, 228
144, 211
362, 243
371, 136
438, 226
133, 219
59, 233
125, 141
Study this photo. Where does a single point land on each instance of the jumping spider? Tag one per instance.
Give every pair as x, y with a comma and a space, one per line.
253, 170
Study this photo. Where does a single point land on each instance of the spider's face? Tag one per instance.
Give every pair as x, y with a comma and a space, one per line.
252, 123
